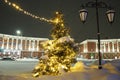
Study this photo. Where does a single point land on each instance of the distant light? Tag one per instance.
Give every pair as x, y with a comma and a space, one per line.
18, 32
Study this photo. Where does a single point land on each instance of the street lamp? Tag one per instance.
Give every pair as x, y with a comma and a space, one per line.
18, 32
110, 16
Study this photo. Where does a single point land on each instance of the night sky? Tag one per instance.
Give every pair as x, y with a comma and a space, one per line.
12, 20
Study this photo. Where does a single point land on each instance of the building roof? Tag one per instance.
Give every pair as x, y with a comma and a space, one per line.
103, 40
22, 37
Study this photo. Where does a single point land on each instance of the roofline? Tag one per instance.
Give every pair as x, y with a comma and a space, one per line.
95, 40
22, 37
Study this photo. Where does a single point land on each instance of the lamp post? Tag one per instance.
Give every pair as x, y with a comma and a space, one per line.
110, 16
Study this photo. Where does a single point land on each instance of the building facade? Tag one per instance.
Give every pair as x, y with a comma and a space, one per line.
109, 48
20, 47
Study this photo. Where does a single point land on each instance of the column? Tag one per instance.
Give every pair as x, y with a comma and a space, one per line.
12, 43
104, 47
108, 46
29, 45
84, 48
37, 45
117, 47
96, 47
7, 43
16, 44
113, 49
20, 48
25, 44
33, 45
21, 44
3, 43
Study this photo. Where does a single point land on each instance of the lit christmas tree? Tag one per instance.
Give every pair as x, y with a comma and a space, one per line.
59, 53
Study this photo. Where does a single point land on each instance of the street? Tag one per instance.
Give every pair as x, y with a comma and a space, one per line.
16, 67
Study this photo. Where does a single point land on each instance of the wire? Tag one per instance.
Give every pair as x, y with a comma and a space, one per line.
26, 12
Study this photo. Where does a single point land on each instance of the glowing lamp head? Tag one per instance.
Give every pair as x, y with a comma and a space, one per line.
18, 32
83, 15
110, 15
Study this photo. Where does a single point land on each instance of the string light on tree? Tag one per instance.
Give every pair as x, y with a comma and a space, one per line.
59, 53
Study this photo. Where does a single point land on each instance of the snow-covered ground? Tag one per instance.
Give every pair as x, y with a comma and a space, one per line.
80, 71
27, 59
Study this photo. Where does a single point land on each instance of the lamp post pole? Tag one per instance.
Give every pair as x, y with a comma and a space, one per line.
110, 16
98, 36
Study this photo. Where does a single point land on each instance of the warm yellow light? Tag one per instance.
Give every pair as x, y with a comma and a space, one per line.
57, 12
35, 75
9, 3
63, 66
56, 20
37, 67
36, 17
26, 13
53, 69
13, 5
62, 24
17, 7
6, 1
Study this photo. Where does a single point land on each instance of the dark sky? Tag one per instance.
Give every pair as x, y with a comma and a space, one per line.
12, 20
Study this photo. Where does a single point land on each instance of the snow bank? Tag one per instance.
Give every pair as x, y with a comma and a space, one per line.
79, 66
80, 71
110, 71
27, 59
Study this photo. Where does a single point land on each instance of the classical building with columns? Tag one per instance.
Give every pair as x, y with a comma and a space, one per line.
109, 48
20, 47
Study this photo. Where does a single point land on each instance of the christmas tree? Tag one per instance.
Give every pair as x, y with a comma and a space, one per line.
59, 53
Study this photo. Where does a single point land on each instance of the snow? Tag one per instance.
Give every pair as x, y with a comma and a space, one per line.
81, 71
27, 59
